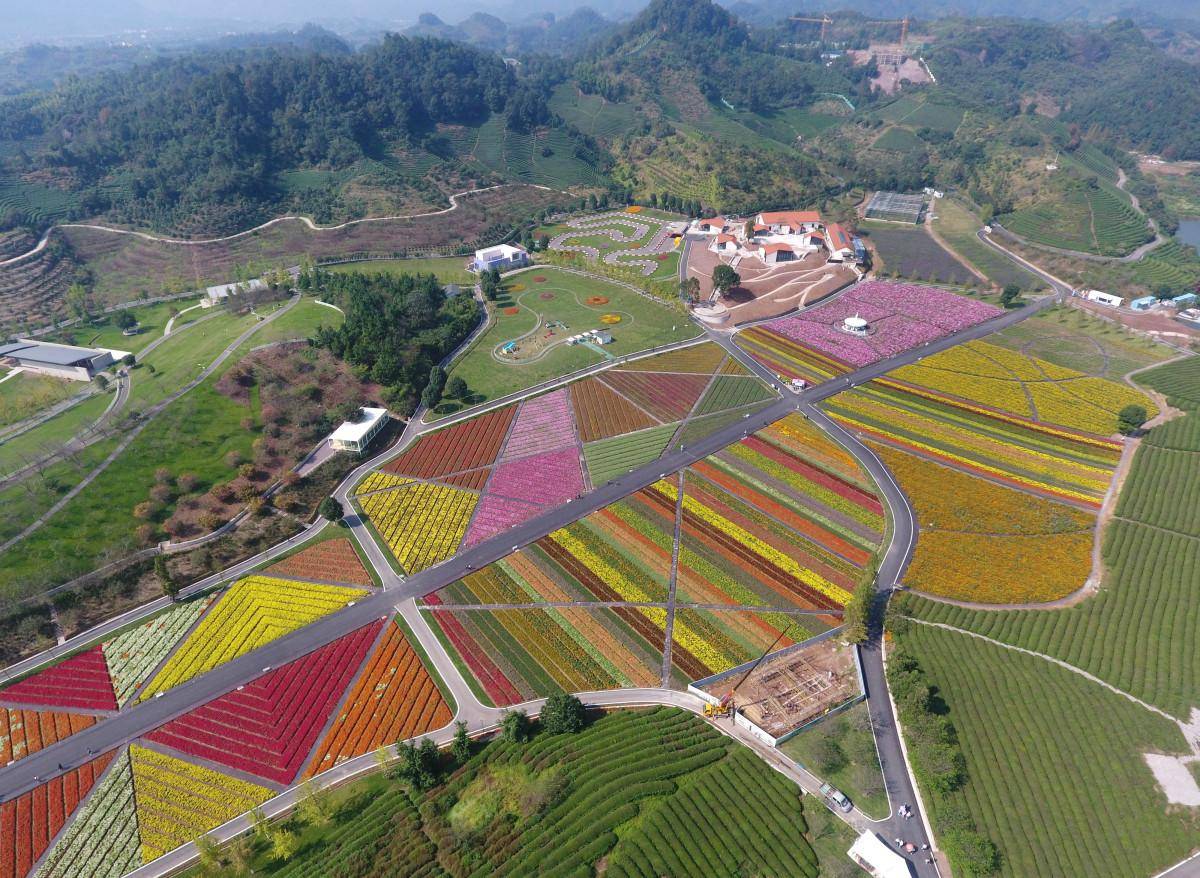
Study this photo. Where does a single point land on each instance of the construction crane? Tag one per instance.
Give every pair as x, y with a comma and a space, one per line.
825, 21
725, 706
903, 22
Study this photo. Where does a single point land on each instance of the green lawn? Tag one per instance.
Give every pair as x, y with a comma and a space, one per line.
300, 322
27, 393
449, 269
645, 323
182, 357
563, 805
841, 750
53, 433
608, 458
152, 320
1055, 774
957, 227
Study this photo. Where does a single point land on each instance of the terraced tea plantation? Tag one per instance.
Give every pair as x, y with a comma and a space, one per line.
1090, 219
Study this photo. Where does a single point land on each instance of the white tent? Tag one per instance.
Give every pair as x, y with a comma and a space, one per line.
877, 857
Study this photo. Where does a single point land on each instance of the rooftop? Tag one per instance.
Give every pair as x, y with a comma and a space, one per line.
790, 216
354, 431
49, 352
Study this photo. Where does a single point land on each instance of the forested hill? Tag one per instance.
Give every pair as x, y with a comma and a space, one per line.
212, 131
1109, 80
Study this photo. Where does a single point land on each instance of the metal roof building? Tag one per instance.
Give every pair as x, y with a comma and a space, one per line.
896, 207
61, 360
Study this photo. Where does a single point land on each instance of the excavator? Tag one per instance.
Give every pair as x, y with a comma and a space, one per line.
726, 706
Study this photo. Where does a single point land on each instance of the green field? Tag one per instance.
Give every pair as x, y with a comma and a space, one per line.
911, 252
546, 158
27, 393
152, 320
301, 322
645, 323
1055, 775
957, 227
42, 204
1138, 632
610, 795
592, 114
1082, 218
609, 458
449, 269
51, 434
841, 750
897, 139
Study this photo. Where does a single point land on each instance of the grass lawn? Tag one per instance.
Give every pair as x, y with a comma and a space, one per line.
841, 750
300, 322
644, 324
957, 227
449, 269
27, 393
45, 437
152, 320
26, 500
182, 357
1055, 774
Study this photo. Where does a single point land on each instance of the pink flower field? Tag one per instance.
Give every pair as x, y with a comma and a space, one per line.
902, 316
545, 479
495, 514
543, 424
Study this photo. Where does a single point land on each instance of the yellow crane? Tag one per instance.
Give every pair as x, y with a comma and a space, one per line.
825, 21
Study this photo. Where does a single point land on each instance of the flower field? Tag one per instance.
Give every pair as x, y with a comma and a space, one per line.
254, 611
421, 524
268, 727
601, 412
1014, 383
30, 822
80, 682
332, 561
544, 423
548, 479
733, 392
466, 445
380, 481
786, 357
981, 541
177, 801
702, 359
134, 654
667, 396
609, 458
23, 732
901, 316
395, 698
102, 841
723, 639
1046, 460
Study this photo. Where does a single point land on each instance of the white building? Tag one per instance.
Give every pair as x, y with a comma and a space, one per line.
789, 222
59, 360
224, 291
711, 226
775, 253
855, 326
1104, 298
873, 854
355, 436
502, 257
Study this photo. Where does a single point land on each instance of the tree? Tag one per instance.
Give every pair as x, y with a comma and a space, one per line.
169, 586
689, 289
315, 808
461, 748
126, 319
331, 509
514, 728
100, 381
563, 714
284, 845
724, 278
456, 388
1131, 418
828, 756
128, 360
432, 394
856, 619
1009, 295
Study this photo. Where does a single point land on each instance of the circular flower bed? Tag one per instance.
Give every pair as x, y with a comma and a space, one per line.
633, 208
611, 319
517, 288
597, 300
546, 297
663, 257
539, 278
511, 310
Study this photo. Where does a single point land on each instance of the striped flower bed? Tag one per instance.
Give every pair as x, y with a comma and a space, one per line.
543, 424
81, 681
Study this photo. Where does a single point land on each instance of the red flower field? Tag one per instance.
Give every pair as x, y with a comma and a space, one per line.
81, 681
330, 561
467, 445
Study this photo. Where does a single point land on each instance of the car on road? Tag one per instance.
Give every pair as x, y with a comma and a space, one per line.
837, 797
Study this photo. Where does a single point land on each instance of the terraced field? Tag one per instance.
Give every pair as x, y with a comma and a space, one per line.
1087, 219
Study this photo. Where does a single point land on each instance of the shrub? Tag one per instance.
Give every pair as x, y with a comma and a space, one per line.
1131, 418
563, 713
187, 482
331, 509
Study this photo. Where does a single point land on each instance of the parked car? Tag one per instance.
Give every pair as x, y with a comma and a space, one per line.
836, 796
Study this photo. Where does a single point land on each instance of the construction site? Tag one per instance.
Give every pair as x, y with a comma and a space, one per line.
782, 692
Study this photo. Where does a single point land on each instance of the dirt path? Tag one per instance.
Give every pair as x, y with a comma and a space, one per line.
933, 233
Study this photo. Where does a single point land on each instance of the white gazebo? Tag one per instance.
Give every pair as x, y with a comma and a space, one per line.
855, 325
355, 436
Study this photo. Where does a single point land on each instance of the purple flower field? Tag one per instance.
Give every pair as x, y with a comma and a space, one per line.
543, 424
547, 479
902, 316
495, 514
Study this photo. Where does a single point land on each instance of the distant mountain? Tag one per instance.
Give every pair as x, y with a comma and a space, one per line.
539, 34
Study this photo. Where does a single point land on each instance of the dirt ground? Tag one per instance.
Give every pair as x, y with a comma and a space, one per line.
765, 290
788, 690
1161, 324
890, 76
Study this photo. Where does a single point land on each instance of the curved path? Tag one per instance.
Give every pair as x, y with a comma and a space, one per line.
193, 242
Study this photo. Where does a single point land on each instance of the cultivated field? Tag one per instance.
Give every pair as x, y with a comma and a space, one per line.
912, 253
1088, 219
957, 226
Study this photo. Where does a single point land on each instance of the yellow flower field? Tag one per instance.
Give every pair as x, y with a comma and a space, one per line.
422, 524
254, 611
177, 801
379, 481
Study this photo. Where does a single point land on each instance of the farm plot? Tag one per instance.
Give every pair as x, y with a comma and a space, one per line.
732, 392
666, 396
602, 413
609, 458
268, 727
544, 423
1086, 803
1045, 460
1010, 382
394, 699
133, 655
422, 524
1090, 219
914, 254
980, 541
23, 732
463, 446
957, 227
178, 801
332, 561
902, 317
29, 822
707, 642
253, 612
103, 840
801, 532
